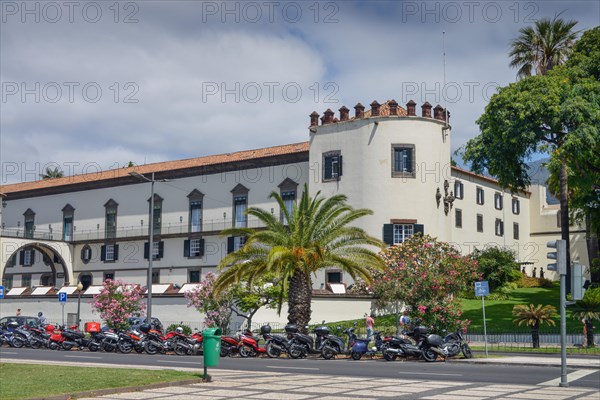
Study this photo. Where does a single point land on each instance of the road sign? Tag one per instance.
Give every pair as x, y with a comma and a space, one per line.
1, 292
62, 297
482, 288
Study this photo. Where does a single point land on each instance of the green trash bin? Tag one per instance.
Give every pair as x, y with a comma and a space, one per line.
211, 345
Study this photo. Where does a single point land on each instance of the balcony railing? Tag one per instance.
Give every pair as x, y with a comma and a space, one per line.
79, 235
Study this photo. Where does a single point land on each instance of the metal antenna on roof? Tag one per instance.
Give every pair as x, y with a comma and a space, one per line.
444, 87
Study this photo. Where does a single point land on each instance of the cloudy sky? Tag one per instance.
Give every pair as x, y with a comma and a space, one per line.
94, 85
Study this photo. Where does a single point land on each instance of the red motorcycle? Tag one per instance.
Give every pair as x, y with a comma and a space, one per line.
248, 345
229, 345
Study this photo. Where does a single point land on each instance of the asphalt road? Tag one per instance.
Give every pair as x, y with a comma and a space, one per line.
449, 370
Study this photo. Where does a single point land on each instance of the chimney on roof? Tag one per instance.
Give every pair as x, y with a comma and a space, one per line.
375, 108
438, 113
426, 110
411, 109
393, 107
328, 116
314, 118
359, 111
344, 113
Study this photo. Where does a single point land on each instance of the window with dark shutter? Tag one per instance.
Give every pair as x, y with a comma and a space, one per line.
515, 231
458, 218
479, 223
388, 234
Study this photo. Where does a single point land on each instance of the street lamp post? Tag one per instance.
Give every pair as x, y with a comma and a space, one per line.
79, 289
150, 240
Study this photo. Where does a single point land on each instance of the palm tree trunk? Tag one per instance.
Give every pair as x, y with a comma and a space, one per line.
535, 335
299, 299
564, 218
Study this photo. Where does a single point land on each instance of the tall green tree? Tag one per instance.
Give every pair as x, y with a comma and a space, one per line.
542, 113
543, 46
318, 234
52, 173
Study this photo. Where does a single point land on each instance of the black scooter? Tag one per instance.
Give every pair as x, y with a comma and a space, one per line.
426, 346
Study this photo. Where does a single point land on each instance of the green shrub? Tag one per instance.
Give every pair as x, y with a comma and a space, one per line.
186, 329
530, 282
497, 265
503, 292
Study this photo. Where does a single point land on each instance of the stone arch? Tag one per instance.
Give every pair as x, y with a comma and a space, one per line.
57, 254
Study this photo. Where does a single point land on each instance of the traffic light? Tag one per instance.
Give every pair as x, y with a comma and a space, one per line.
560, 255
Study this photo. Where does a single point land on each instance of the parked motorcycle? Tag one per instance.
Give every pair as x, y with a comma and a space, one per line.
74, 338
301, 344
229, 345
454, 343
248, 345
425, 346
275, 345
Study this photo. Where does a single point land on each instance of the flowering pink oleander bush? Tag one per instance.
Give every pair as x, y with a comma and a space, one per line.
117, 301
217, 310
426, 275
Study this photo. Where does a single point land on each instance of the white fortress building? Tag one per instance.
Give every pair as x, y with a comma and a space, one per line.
88, 228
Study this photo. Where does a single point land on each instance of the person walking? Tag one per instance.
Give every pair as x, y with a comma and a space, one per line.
369, 322
18, 314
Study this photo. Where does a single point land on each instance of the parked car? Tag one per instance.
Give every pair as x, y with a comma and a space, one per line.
21, 320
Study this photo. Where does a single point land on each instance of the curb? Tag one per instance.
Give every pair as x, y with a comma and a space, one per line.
126, 389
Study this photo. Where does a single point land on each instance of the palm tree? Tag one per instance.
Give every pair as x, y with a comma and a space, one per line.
52, 173
317, 235
542, 47
534, 317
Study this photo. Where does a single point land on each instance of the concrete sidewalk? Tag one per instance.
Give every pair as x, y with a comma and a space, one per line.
228, 385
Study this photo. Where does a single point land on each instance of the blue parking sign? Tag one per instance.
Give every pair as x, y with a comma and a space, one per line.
1, 292
482, 288
62, 297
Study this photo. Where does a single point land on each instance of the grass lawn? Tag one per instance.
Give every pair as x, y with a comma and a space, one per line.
22, 381
498, 314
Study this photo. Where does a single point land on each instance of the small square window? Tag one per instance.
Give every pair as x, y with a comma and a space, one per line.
109, 252
155, 276
334, 277
194, 276
26, 280
109, 275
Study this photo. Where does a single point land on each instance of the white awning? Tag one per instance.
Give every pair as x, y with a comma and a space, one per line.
159, 289
338, 288
16, 291
68, 289
41, 290
93, 290
188, 287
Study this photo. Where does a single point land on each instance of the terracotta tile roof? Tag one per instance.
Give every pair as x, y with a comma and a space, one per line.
384, 110
158, 167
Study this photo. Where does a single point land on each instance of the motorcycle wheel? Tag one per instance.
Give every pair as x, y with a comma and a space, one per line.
182, 349
389, 356
245, 351
54, 346
327, 353
273, 350
125, 347
94, 347
466, 350
356, 355
295, 351
67, 346
17, 342
429, 355
151, 349
108, 347
35, 344
139, 349
225, 351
